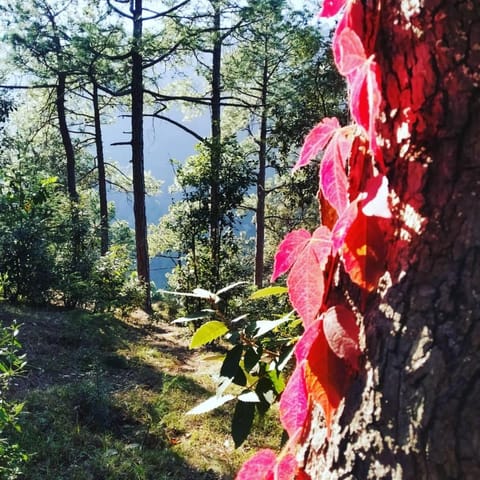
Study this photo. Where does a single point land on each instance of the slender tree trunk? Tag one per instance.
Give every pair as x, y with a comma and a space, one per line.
71, 171
414, 412
143, 265
262, 165
216, 150
65, 134
102, 183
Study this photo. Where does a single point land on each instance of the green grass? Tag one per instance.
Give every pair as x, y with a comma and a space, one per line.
106, 399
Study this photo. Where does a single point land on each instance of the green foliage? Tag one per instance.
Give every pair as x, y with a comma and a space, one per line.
111, 284
256, 364
25, 233
184, 230
11, 365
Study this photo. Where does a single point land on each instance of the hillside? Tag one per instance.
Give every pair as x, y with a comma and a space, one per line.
105, 398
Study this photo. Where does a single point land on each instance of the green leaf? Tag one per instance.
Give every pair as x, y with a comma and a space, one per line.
231, 363
231, 366
208, 332
242, 421
277, 381
210, 404
251, 358
229, 287
269, 291
207, 313
249, 397
265, 326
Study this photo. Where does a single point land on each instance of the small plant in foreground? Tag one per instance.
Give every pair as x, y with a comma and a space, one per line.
11, 364
253, 370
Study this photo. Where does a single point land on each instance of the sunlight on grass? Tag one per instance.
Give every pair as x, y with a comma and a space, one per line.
111, 405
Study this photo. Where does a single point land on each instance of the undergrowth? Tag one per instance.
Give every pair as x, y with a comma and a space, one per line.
105, 398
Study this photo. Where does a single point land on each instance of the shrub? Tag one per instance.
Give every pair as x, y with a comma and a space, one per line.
11, 364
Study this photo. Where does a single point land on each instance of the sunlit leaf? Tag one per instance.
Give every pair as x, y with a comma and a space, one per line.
331, 7
269, 291
288, 250
229, 287
208, 332
195, 316
294, 403
259, 467
210, 404
286, 468
317, 140
265, 326
250, 397
306, 278
207, 295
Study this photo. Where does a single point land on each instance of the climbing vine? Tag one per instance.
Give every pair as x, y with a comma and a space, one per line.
356, 215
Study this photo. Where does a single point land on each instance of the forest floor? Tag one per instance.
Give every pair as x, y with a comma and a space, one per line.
106, 399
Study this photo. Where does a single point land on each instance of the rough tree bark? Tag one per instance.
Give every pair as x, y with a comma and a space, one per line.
414, 412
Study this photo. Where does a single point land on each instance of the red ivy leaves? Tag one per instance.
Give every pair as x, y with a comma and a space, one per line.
328, 355
259, 467
306, 256
337, 143
364, 251
264, 465
294, 403
316, 141
342, 334
331, 7
362, 75
353, 198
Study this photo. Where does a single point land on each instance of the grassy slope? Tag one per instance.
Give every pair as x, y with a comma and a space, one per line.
105, 399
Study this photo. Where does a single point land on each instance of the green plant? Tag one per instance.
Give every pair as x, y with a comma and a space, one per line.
11, 365
256, 365
25, 230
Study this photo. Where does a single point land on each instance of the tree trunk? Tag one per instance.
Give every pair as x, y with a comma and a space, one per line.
262, 165
414, 411
65, 134
139, 210
216, 149
102, 184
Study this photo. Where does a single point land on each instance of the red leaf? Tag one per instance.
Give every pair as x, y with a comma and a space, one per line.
316, 141
288, 251
305, 281
259, 467
333, 177
364, 251
376, 202
301, 475
342, 334
348, 51
331, 7
363, 79
326, 377
286, 468
365, 98
294, 403
343, 225
303, 346
360, 166
328, 214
